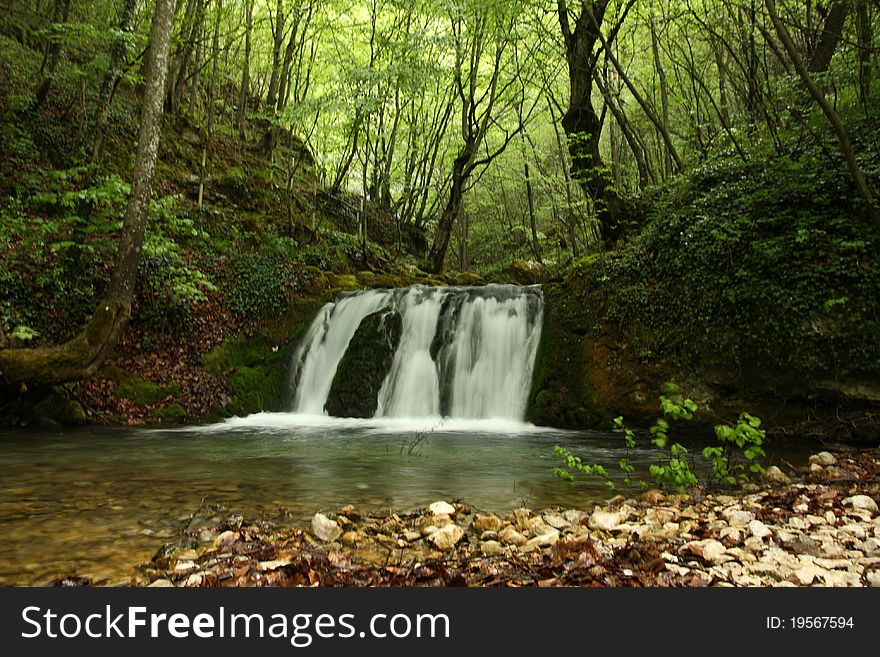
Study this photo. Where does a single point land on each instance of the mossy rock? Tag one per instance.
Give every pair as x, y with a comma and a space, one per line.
466, 278
247, 404
144, 392
245, 379
367, 361
236, 352
528, 272
174, 412
58, 408
343, 282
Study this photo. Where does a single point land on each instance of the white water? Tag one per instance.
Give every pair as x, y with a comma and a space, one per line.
485, 358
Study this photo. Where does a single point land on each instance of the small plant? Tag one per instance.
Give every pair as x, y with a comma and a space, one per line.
731, 462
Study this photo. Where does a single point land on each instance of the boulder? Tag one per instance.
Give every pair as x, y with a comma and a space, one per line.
527, 272
362, 370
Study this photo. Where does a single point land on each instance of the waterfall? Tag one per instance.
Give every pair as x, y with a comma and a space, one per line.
463, 352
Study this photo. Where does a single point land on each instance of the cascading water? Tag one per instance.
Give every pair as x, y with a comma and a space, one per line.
462, 352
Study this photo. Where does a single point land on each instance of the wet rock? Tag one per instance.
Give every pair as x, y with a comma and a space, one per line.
324, 528
509, 536
573, 516
489, 535
774, 475
446, 537
161, 583
491, 548
862, 502
442, 508
365, 365
350, 511
351, 538
659, 516
411, 536
823, 459
484, 523
605, 520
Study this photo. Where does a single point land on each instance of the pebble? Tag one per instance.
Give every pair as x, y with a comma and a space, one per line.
823, 459
738, 517
510, 536
759, 529
446, 537
491, 548
324, 528
861, 502
442, 508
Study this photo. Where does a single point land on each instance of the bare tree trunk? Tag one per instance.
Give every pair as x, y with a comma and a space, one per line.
832, 32
118, 54
846, 148
82, 356
277, 41
865, 43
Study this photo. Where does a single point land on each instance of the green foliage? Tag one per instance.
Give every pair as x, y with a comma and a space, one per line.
264, 280
730, 462
144, 392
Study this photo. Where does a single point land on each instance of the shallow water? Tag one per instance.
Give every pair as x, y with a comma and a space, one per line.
98, 501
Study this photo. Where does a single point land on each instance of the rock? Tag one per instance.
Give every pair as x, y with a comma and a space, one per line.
737, 517
806, 575
842, 579
442, 508
183, 565
573, 516
659, 517
555, 521
653, 496
491, 548
709, 550
490, 522
605, 520
527, 272
815, 467
774, 475
365, 365
534, 526
521, 516
411, 536
489, 535
759, 529
861, 502
546, 539
350, 538
873, 579
823, 459
732, 536
350, 511
509, 536
446, 537
226, 538
324, 528
161, 583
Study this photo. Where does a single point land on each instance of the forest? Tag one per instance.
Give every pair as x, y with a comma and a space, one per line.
213, 211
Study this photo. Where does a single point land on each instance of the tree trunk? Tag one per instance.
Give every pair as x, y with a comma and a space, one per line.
437, 254
246, 70
582, 125
82, 356
278, 41
846, 147
53, 56
832, 32
118, 55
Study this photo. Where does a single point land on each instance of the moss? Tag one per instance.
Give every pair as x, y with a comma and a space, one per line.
245, 379
246, 404
236, 352
142, 391
344, 282
170, 412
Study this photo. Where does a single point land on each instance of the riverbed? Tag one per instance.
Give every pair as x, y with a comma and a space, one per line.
97, 501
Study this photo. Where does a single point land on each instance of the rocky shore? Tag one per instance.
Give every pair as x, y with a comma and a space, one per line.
821, 529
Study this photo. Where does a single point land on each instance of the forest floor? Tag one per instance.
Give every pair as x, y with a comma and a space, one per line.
822, 529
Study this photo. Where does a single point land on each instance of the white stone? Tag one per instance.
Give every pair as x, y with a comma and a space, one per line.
759, 529
605, 520
161, 584
774, 475
442, 508
325, 528
807, 574
738, 517
510, 536
555, 521
491, 548
823, 459
708, 549
446, 537
873, 579
734, 535
861, 502
573, 516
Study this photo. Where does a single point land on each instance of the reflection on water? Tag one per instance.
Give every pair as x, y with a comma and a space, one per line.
98, 501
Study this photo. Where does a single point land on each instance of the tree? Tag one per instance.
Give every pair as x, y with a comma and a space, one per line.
83, 355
